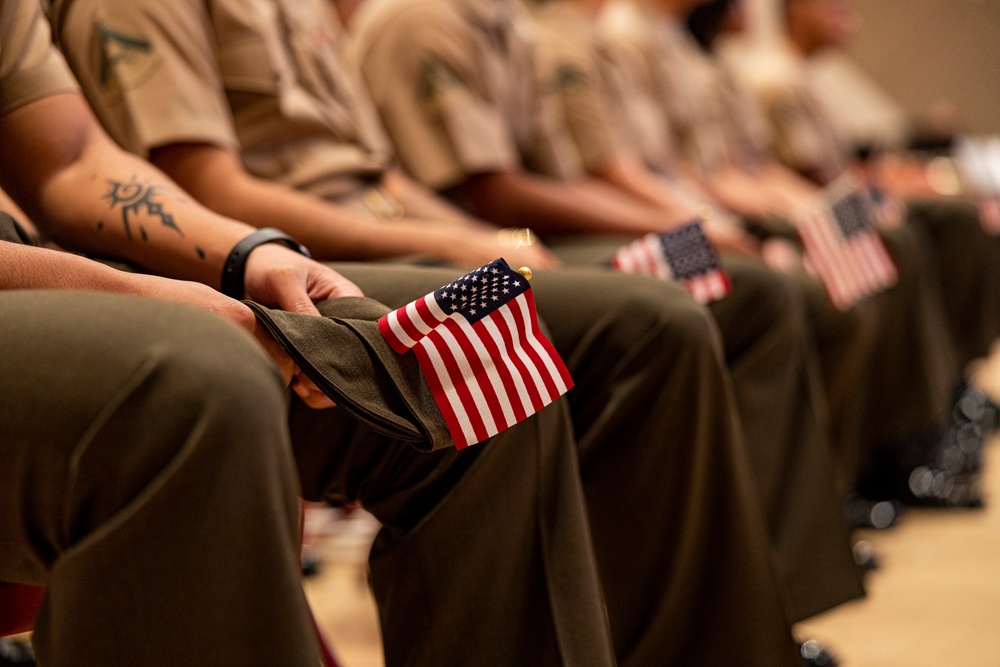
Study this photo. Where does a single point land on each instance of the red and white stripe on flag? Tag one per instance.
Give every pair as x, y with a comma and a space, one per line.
708, 287
989, 214
850, 268
485, 375
646, 256
643, 256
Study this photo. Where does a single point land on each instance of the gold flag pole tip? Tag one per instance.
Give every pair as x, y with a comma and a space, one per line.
526, 272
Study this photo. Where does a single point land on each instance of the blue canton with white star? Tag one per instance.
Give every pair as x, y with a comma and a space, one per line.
477, 294
853, 214
688, 252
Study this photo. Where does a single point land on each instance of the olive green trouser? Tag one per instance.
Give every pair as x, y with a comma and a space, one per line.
673, 590
146, 458
965, 261
768, 350
146, 480
887, 363
680, 545
844, 341
913, 368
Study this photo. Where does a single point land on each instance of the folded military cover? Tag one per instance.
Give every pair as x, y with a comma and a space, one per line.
344, 354
480, 362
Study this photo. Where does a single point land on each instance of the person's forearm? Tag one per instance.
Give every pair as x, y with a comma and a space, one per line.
555, 207
330, 231
88, 195
789, 188
140, 216
215, 177
740, 193
27, 267
712, 190
631, 176
790, 180
422, 202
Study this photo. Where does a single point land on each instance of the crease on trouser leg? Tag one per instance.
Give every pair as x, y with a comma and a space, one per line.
781, 410
500, 571
181, 496
678, 536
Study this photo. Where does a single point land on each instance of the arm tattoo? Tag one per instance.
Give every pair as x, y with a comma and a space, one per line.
134, 199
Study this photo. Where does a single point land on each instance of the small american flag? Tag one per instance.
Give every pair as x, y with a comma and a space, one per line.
477, 340
684, 254
843, 248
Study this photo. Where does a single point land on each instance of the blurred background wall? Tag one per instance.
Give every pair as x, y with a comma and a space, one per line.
911, 59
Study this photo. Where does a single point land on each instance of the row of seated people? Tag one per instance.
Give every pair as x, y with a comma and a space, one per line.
683, 505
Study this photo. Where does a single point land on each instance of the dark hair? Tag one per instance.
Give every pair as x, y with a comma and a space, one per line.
705, 21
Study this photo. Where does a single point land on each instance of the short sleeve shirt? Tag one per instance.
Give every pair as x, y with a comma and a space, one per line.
749, 138
684, 81
455, 85
265, 77
629, 45
30, 67
804, 136
570, 70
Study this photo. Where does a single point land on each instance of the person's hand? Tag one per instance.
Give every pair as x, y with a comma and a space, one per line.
781, 255
206, 298
303, 387
473, 246
278, 277
282, 278
520, 247
730, 237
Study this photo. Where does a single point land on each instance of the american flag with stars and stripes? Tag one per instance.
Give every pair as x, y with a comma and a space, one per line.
842, 247
478, 342
684, 254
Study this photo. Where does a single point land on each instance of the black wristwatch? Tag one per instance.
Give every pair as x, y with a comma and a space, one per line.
235, 268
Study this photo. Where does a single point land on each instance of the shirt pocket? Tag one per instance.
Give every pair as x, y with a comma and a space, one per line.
247, 66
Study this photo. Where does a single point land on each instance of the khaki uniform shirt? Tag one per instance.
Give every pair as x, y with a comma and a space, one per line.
568, 68
672, 67
749, 133
604, 107
805, 137
633, 46
264, 77
454, 82
30, 67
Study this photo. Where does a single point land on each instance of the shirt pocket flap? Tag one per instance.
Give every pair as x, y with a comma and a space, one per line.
246, 66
